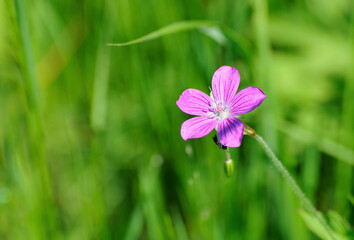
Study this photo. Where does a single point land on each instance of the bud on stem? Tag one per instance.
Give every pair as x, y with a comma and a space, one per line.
229, 167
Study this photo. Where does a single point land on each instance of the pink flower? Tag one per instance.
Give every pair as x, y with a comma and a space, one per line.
221, 110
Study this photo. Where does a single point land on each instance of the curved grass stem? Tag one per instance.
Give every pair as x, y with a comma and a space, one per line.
295, 188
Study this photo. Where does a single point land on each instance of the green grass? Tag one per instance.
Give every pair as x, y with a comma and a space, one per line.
89, 134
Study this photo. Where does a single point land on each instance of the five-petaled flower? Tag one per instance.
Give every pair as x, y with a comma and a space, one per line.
221, 110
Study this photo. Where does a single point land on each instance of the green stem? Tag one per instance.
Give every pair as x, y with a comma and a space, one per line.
228, 156
295, 188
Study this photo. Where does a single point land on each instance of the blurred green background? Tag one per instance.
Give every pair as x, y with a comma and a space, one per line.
90, 146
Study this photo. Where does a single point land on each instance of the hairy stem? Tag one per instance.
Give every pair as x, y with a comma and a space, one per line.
295, 188
228, 156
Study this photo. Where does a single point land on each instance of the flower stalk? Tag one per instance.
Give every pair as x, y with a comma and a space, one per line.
306, 203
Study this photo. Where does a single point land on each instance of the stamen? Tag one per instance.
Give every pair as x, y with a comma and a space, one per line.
219, 111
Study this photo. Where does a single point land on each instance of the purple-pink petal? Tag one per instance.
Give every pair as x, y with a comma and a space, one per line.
247, 100
194, 102
225, 84
197, 127
230, 132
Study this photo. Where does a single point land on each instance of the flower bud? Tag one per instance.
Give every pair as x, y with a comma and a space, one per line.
229, 167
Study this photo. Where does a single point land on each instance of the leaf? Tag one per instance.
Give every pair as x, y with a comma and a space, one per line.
214, 33
340, 232
314, 225
169, 29
338, 223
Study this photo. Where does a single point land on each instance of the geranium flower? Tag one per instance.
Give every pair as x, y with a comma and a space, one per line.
220, 110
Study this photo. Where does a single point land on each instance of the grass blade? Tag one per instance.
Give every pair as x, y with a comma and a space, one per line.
167, 30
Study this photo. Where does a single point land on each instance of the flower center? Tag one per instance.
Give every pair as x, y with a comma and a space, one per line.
220, 112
